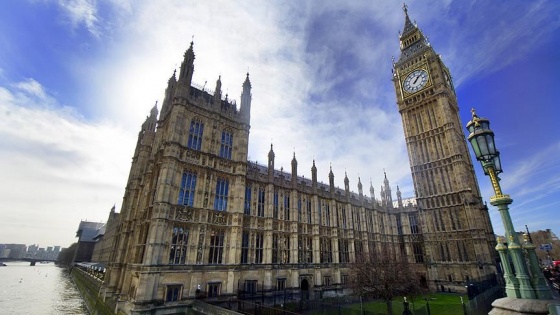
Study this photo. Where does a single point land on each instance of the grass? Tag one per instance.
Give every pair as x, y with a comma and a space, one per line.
439, 303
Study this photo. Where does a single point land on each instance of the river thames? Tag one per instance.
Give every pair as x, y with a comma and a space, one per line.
40, 289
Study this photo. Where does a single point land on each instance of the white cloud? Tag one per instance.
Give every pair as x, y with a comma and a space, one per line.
81, 13
56, 168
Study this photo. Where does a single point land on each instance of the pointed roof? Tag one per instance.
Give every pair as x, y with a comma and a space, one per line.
190, 51
173, 78
408, 26
154, 110
411, 44
247, 83
271, 152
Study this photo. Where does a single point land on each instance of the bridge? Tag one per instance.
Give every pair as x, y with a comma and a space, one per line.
32, 261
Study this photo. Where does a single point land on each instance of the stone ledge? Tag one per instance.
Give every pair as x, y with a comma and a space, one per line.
507, 306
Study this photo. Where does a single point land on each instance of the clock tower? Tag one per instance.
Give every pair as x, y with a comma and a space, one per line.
458, 236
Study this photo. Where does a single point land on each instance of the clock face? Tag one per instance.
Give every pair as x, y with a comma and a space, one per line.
415, 81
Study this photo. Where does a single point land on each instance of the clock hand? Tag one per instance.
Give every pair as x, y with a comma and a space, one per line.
418, 77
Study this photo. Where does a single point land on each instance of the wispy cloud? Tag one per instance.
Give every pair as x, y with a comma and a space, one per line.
56, 168
82, 13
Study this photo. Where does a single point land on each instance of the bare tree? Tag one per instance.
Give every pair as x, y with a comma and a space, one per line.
384, 275
66, 255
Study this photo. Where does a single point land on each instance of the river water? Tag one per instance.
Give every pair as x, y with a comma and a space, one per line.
40, 289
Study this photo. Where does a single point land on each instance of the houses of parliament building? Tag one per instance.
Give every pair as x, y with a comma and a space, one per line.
198, 218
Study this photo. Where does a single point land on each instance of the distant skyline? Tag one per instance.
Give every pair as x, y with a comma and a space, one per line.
77, 79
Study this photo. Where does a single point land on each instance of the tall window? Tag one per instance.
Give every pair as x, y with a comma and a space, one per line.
399, 224
214, 289
173, 293
216, 247
245, 247
465, 253
308, 211
179, 241
275, 209
259, 248
344, 254
418, 252
251, 286
280, 284
286, 207
299, 209
359, 247
357, 220
247, 207
305, 249
186, 192
413, 220
226, 144
260, 203
275, 251
195, 135
326, 250
222, 190
285, 249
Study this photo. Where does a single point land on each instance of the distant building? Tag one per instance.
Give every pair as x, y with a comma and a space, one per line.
86, 242
105, 239
13, 251
32, 250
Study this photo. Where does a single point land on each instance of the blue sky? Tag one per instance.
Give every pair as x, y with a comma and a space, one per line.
77, 79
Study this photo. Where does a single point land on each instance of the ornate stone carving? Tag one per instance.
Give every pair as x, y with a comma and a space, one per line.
219, 218
184, 215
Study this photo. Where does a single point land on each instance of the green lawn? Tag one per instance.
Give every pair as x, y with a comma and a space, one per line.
440, 304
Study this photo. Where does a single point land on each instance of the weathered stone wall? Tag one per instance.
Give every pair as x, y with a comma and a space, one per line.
89, 288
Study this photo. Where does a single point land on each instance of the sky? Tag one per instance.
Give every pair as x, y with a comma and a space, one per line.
78, 78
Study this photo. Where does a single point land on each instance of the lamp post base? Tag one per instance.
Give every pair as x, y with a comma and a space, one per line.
511, 306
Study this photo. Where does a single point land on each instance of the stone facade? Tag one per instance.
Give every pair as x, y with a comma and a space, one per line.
200, 220
105, 240
458, 237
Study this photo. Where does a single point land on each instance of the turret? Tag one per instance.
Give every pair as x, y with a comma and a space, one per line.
169, 91
371, 191
294, 170
144, 145
314, 177
382, 196
399, 197
331, 181
387, 191
346, 183
246, 96
218, 92
185, 74
360, 188
271, 164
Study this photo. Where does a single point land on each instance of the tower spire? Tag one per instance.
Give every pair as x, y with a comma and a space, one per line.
411, 39
185, 73
218, 92
246, 100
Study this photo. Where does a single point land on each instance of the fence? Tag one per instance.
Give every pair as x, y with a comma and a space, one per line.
482, 303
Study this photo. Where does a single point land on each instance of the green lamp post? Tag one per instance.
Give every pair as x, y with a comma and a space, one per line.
521, 281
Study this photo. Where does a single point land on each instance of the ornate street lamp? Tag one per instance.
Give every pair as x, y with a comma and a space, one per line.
522, 281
